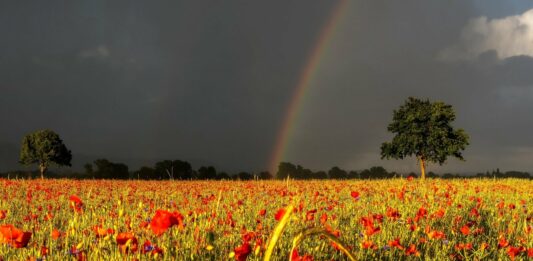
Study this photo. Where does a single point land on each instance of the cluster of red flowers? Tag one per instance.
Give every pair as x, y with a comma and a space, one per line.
163, 220
13, 236
76, 204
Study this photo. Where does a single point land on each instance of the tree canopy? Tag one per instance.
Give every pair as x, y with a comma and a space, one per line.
423, 129
106, 169
44, 147
173, 169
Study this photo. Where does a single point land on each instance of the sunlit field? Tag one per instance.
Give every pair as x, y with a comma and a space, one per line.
228, 220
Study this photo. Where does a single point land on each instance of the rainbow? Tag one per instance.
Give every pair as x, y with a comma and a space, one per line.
302, 86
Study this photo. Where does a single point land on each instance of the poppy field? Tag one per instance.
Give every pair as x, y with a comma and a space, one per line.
392, 219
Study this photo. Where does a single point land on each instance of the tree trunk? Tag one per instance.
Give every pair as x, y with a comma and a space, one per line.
42, 168
422, 168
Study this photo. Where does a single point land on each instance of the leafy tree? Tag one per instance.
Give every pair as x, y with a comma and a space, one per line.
516, 174
44, 147
146, 173
211, 172
378, 172
423, 130
365, 174
298, 173
223, 176
337, 173
107, 169
449, 176
433, 175
207, 173
286, 169
320, 175
173, 169
353, 175
306, 174
164, 169
265, 175
244, 176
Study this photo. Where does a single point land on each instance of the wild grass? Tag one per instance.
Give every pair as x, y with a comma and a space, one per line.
394, 219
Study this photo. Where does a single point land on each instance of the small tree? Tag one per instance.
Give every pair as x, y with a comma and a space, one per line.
45, 148
423, 130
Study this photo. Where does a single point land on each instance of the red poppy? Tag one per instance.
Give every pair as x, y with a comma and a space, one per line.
422, 213
164, 220
76, 203
323, 218
396, 243
127, 242
56, 234
102, 232
401, 195
465, 230
44, 251
440, 213
262, 212
79, 254
367, 221
371, 230
412, 251
514, 251
355, 194
435, 234
463, 246
15, 237
393, 213
3, 214
310, 215
248, 236
474, 212
242, 252
295, 256
367, 244
279, 215
502, 242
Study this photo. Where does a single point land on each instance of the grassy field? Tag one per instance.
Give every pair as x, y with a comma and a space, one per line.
228, 220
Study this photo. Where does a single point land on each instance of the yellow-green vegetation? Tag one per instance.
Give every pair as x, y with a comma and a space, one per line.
394, 219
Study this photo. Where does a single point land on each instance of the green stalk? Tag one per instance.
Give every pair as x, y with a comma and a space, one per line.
319, 231
277, 232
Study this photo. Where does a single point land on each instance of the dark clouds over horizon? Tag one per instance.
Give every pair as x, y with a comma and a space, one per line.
210, 82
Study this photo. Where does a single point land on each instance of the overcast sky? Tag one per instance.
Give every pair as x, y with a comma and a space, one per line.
210, 81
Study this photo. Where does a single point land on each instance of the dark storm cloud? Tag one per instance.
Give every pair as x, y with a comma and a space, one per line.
190, 80
210, 81
385, 52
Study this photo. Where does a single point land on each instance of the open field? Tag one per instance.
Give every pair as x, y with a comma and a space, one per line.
386, 219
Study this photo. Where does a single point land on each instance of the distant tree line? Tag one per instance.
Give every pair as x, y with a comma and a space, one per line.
182, 170
163, 170
287, 169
